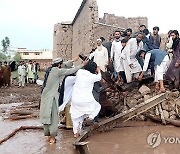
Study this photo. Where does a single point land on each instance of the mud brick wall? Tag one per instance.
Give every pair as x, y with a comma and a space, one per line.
62, 44
83, 28
134, 23
80, 35
103, 30
111, 19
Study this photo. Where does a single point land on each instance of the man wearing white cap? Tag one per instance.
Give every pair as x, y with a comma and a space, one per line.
101, 56
49, 98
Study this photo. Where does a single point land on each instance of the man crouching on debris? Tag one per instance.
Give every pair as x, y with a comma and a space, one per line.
49, 97
159, 60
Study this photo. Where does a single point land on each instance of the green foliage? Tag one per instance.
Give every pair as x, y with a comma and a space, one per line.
17, 57
5, 44
3, 57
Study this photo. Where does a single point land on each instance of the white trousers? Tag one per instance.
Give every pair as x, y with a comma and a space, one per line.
77, 123
21, 80
161, 69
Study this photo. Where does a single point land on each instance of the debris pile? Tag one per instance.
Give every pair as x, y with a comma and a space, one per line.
120, 102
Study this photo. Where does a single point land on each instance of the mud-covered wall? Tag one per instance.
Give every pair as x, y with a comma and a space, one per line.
83, 28
62, 44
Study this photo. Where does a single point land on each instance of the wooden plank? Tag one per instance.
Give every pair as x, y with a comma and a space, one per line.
110, 123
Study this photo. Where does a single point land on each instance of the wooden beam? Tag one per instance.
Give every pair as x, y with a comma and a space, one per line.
110, 123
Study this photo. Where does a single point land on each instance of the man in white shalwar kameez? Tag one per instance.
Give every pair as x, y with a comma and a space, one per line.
83, 104
160, 61
69, 82
101, 56
124, 62
30, 72
21, 73
116, 53
134, 45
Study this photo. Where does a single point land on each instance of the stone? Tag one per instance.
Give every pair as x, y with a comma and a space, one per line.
171, 107
173, 117
137, 96
169, 95
140, 100
172, 113
132, 103
178, 102
176, 94
141, 117
146, 97
144, 90
164, 105
166, 114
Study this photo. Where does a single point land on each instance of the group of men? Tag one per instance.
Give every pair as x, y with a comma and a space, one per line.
24, 73
27, 73
5, 75
131, 56
134, 56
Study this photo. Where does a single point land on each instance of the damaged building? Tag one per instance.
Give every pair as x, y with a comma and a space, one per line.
79, 36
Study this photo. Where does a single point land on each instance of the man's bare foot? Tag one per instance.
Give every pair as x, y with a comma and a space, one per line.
63, 120
163, 90
76, 135
48, 138
52, 140
157, 87
88, 122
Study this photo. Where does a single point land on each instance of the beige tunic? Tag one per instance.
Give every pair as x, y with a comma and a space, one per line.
50, 92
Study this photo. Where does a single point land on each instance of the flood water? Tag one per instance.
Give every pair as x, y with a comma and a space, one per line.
133, 140
33, 141
130, 139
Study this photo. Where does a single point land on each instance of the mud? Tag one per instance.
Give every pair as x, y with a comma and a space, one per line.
130, 137
130, 140
13, 94
32, 142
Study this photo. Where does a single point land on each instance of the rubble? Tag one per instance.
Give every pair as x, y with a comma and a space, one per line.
144, 90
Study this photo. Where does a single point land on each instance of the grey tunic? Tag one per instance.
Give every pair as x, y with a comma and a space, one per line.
50, 92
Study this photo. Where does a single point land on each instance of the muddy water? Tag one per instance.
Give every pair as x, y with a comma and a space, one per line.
133, 140
130, 139
33, 141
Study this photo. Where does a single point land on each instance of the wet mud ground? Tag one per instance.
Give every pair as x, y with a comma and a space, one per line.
133, 140
130, 138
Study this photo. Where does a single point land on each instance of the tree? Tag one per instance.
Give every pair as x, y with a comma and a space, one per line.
5, 44
3, 57
17, 57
